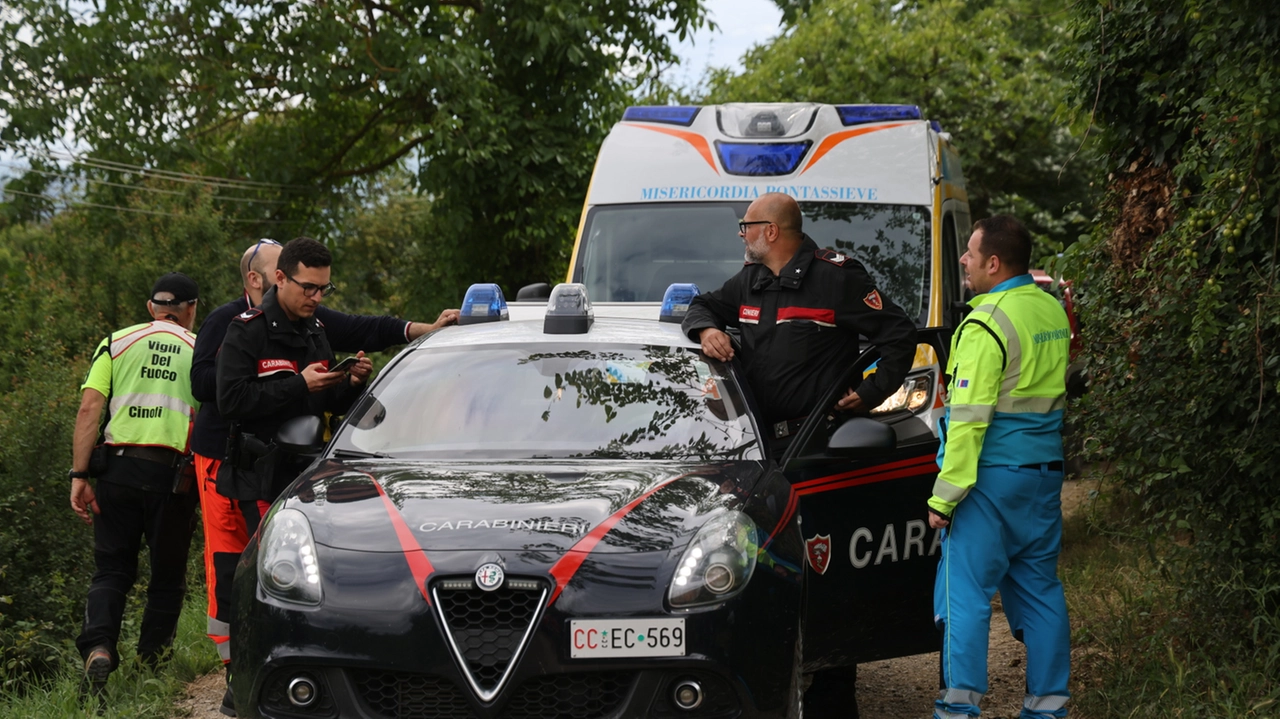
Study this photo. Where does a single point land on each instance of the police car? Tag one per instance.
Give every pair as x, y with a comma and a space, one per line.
571, 515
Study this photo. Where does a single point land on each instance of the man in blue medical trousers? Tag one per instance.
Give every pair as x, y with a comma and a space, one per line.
998, 489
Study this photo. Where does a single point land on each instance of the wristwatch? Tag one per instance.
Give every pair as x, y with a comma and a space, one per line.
77, 475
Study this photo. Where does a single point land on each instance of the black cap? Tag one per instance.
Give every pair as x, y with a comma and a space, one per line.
182, 287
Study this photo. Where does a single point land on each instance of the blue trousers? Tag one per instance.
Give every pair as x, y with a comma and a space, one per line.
1006, 535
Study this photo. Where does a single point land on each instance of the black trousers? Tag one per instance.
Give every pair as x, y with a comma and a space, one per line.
129, 515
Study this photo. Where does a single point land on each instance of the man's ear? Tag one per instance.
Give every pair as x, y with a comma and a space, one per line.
279, 276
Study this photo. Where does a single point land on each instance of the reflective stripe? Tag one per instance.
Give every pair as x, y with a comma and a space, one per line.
215, 628
1048, 703
1040, 405
972, 412
123, 343
1013, 370
224, 650
948, 492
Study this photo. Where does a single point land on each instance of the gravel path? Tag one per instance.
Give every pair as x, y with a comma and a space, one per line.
894, 689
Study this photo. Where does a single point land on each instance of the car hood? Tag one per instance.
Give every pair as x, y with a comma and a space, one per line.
531, 507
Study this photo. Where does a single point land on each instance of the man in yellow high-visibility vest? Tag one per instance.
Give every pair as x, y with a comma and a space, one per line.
142, 375
998, 490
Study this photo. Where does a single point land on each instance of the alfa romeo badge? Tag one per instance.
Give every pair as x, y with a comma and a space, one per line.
489, 577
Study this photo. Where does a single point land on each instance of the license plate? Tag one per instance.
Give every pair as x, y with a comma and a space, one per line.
602, 638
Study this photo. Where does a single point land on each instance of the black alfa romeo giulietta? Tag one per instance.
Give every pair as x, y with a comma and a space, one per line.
520, 522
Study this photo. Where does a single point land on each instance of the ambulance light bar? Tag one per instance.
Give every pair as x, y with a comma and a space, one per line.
569, 310
483, 303
760, 159
670, 114
862, 114
675, 303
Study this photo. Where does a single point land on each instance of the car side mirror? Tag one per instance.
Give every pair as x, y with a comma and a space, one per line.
534, 292
862, 437
301, 435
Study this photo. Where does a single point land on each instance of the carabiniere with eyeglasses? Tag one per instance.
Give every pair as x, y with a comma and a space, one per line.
310, 289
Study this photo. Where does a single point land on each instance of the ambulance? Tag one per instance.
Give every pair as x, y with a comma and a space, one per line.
876, 182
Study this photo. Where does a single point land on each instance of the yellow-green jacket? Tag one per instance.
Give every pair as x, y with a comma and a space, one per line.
1005, 403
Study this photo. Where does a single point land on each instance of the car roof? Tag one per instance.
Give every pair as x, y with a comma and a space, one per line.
605, 330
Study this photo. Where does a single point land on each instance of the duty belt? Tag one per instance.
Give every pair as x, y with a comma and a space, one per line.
159, 455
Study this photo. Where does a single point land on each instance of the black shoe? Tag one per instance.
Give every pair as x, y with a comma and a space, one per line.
228, 704
97, 667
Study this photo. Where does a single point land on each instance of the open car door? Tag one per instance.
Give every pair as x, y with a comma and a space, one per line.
871, 557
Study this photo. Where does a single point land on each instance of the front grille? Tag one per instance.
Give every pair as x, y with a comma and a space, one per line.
488, 628
275, 697
397, 695
569, 696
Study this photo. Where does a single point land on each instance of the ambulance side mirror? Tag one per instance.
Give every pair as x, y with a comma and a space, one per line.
862, 437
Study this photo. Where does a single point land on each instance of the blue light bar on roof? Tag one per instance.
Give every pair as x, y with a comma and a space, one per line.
757, 159
483, 303
861, 114
670, 114
675, 303
937, 126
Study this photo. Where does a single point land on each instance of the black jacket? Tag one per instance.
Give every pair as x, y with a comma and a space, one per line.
800, 329
260, 381
346, 333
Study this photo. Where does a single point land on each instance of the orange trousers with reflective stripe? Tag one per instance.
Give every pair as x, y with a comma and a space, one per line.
228, 524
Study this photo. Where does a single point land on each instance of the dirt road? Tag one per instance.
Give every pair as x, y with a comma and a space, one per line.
895, 689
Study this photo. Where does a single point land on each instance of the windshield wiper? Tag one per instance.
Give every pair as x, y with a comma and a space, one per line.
358, 454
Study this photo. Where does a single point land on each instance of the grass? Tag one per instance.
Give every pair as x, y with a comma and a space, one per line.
1139, 649
133, 690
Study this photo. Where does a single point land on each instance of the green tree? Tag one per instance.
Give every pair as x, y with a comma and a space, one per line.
498, 106
985, 70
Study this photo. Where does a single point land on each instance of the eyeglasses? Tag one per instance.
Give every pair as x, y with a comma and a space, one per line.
263, 241
743, 224
172, 303
310, 289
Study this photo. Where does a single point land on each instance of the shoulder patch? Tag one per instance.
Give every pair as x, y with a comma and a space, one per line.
250, 314
836, 258
873, 300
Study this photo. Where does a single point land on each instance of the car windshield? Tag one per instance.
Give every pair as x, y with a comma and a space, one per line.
632, 253
549, 401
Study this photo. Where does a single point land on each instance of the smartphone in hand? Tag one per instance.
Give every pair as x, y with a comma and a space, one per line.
345, 365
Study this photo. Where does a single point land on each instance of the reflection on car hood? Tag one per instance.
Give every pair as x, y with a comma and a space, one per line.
376, 505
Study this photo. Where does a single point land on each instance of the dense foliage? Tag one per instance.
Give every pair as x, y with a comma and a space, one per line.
987, 71
498, 106
1180, 297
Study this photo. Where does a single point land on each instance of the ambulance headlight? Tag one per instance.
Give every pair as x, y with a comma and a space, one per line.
718, 563
569, 310
288, 568
915, 394
483, 303
675, 303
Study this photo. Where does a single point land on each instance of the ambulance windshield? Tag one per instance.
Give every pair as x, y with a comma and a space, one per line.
632, 253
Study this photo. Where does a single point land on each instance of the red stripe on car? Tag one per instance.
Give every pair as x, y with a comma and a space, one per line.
565, 567
869, 475
419, 565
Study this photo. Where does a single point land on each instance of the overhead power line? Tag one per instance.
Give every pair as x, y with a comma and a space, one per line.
67, 204
154, 190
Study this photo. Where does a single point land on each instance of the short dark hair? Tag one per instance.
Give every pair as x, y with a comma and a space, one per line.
1007, 238
303, 250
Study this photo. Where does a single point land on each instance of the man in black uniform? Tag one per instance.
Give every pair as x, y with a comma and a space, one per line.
799, 310
225, 520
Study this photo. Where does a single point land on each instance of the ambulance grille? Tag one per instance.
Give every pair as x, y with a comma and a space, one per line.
488, 630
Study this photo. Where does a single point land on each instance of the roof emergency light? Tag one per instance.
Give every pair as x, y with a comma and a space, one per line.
669, 114
569, 310
862, 114
762, 159
483, 303
675, 303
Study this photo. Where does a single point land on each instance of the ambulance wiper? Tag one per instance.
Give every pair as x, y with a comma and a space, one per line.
357, 454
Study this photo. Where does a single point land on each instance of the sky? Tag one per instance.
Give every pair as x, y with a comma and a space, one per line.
742, 23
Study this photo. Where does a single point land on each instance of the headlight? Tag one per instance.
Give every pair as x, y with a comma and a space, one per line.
914, 395
288, 568
718, 563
